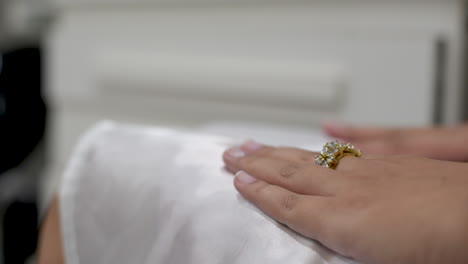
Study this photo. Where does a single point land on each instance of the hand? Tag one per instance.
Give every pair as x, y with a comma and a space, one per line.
374, 210
444, 143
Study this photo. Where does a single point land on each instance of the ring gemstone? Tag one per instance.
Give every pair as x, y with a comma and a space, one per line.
333, 151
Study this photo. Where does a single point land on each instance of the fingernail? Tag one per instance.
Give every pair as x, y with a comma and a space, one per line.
251, 146
235, 152
245, 178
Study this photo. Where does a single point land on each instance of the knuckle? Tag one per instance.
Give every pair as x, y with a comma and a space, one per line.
248, 162
289, 170
262, 190
307, 157
289, 202
266, 151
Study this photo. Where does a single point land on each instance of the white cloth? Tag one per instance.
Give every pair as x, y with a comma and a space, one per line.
153, 195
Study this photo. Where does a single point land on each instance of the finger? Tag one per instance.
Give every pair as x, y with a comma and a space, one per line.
378, 147
304, 214
301, 178
291, 154
304, 179
303, 156
352, 133
296, 155
286, 153
231, 155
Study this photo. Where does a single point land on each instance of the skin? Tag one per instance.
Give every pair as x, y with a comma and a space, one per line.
394, 209
50, 243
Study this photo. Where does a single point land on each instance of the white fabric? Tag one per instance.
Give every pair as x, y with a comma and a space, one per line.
154, 195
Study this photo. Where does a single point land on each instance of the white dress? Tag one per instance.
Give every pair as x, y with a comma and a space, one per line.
153, 195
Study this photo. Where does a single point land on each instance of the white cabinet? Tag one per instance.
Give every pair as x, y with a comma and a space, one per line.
371, 61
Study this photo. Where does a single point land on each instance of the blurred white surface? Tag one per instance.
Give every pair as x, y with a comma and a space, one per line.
165, 192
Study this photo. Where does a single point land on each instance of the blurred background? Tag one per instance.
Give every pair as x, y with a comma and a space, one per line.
245, 68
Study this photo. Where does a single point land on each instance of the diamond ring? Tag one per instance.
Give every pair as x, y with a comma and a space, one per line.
333, 152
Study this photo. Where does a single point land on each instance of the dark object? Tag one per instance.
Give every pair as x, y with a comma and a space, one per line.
20, 232
22, 126
22, 110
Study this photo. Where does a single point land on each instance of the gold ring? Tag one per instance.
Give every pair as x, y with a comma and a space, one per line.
333, 152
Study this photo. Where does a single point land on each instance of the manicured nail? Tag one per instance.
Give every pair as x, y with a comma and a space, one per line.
251, 146
235, 152
245, 178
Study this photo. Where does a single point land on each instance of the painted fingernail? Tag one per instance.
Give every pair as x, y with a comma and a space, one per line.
251, 146
235, 152
244, 177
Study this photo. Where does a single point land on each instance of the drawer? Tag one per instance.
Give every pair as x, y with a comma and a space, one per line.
282, 62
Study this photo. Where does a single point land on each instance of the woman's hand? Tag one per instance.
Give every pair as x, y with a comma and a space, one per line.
375, 210
444, 143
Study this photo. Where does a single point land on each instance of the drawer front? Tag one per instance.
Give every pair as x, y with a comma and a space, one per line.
273, 63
